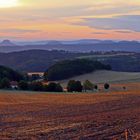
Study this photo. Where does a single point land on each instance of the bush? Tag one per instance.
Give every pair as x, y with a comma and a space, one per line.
74, 86
106, 86
88, 85
23, 85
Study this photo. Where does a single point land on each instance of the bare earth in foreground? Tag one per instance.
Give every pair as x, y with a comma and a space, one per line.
70, 116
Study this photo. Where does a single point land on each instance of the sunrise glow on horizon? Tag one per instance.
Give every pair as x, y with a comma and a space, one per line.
8, 3
67, 20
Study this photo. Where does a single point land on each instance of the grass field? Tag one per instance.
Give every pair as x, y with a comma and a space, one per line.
104, 76
43, 116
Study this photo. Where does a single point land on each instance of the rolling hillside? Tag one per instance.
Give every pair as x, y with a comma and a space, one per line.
41, 60
107, 76
33, 60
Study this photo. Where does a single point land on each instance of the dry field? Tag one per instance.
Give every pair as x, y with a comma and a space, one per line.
42, 116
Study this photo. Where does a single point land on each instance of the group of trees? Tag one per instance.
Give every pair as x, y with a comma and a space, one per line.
7, 75
76, 86
61, 70
72, 86
69, 68
39, 86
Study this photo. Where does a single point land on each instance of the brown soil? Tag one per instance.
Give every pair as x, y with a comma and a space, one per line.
102, 116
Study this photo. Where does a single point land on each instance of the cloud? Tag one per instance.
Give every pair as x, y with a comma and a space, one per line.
124, 32
98, 33
125, 22
71, 19
20, 30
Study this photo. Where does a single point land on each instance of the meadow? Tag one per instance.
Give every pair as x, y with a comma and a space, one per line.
103, 76
96, 116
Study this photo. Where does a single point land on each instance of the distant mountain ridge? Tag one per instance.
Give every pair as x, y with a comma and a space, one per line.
85, 45
7, 43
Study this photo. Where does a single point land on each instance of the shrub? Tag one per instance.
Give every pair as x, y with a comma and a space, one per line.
106, 86
88, 85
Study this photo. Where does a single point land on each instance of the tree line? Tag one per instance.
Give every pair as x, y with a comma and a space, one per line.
72, 86
59, 71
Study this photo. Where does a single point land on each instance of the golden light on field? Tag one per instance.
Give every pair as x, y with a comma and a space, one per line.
8, 3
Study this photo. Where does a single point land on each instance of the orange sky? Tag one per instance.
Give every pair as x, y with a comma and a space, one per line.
69, 19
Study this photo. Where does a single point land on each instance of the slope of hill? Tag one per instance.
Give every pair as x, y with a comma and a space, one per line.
10, 74
40, 60
69, 68
33, 60
107, 76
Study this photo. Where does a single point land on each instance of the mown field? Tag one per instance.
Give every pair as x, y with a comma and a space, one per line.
104, 76
44, 116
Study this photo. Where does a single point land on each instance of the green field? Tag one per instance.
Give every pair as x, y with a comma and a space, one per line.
107, 76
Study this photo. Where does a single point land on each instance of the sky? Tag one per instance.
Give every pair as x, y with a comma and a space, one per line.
69, 19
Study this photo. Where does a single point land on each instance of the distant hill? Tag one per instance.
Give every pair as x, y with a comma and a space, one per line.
85, 45
53, 42
34, 60
7, 43
40, 60
69, 68
107, 76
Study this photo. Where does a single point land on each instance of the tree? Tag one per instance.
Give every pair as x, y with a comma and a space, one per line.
5, 83
124, 88
71, 86
74, 86
95, 87
36, 86
23, 85
106, 86
78, 86
53, 87
88, 85
59, 88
